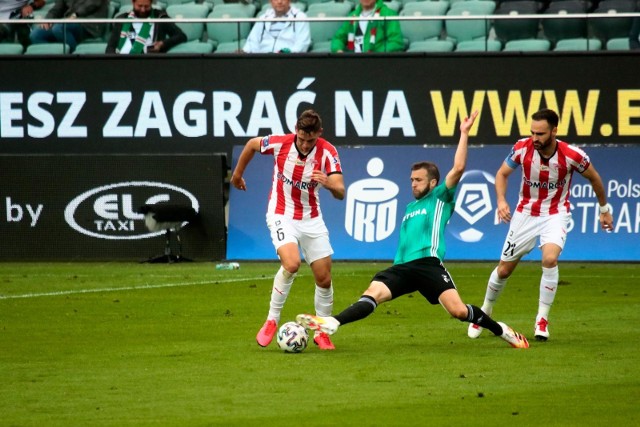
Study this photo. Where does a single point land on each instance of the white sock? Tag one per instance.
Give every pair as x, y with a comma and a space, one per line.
281, 286
548, 288
323, 301
494, 289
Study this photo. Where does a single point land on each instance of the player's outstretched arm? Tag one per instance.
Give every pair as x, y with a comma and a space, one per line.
251, 147
460, 158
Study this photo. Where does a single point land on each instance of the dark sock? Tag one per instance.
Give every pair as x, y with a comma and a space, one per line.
358, 310
480, 318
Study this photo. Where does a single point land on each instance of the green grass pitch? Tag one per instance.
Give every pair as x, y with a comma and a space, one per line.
125, 344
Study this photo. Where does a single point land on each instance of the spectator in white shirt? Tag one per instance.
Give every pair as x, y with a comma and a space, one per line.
284, 36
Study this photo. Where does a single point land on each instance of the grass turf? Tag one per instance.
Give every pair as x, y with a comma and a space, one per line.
174, 345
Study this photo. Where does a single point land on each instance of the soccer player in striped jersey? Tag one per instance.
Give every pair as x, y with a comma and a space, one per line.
304, 162
543, 210
418, 262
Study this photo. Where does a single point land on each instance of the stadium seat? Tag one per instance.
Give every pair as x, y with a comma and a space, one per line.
324, 31
578, 44
222, 32
193, 31
11, 49
516, 28
417, 30
461, 30
529, 45
48, 49
613, 27
564, 28
394, 5
618, 44
91, 48
431, 46
195, 47
479, 46
230, 47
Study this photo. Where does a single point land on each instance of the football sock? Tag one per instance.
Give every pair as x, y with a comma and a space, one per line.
281, 286
548, 288
480, 318
358, 310
323, 301
494, 289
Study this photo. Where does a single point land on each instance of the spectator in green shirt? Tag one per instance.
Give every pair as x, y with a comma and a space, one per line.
369, 35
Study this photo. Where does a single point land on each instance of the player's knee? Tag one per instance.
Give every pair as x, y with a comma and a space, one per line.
291, 266
549, 261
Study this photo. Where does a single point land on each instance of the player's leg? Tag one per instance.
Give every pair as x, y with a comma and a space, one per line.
520, 240
317, 251
377, 293
552, 239
285, 241
451, 301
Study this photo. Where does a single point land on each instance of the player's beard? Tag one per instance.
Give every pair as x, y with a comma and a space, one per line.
423, 193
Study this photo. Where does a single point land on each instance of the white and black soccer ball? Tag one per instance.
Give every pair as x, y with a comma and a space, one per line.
292, 337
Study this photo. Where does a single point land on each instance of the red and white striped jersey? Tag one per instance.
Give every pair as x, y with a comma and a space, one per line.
546, 183
293, 193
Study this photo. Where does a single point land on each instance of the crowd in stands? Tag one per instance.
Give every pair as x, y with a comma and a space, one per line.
422, 26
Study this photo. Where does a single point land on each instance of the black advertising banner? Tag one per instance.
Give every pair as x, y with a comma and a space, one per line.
168, 104
86, 207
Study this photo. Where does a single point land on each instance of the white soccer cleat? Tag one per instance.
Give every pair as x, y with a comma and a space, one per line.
328, 325
474, 330
515, 339
541, 332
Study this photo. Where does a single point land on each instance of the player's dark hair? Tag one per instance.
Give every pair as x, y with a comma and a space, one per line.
309, 122
548, 115
430, 167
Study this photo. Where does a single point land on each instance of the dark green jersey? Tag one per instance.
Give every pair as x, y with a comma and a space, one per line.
423, 224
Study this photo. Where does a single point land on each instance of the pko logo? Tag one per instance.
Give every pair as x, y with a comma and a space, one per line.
110, 211
473, 206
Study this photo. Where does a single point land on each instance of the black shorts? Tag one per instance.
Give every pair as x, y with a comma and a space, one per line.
425, 275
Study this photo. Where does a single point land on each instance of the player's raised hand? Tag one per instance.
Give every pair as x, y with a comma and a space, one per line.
466, 124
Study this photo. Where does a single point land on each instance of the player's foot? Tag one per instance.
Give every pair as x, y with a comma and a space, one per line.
323, 341
474, 330
266, 333
515, 339
328, 325
542, 330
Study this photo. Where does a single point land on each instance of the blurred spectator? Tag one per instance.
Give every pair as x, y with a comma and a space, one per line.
369, 36
17, 9
74, 32
144, 37
279, 36
634, 35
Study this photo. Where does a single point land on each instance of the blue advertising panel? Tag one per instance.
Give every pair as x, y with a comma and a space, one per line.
365, 225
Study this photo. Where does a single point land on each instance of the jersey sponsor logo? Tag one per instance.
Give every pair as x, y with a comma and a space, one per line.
547, 185
265, 141
296, 184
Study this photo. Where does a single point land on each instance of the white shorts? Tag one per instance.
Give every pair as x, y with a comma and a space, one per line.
524, 229
311, 235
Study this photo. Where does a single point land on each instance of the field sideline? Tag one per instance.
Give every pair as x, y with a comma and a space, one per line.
126, 344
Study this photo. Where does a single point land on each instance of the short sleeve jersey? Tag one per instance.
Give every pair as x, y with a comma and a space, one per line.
423, 224
293, 193
546, 182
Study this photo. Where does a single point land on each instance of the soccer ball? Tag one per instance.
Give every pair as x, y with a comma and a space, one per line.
292, 337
